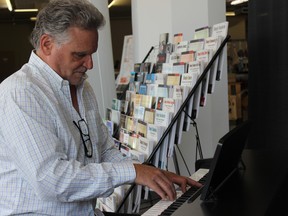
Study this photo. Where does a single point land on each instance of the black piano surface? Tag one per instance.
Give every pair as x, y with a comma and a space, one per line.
260, 189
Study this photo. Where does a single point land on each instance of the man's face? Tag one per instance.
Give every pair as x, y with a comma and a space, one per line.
72, 59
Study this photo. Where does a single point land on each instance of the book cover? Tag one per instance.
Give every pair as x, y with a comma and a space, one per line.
220, 30
116, 104
189, 79
141, 128
146, 101
162, 118
202, 32
204, 56
167, 68
160, 78
187, 56
177, 38
174, 58
143, 89
162, 91
137, 67
146, 146
212, 43
180, 67
110, 126
108, 114
163, 41
122, 123
162, 58
131, 123
133, 141
139, 112
196, 44
159, 102
173, 79
149, 115
170, 105
124, 135
136, 99
181, 47
152, 89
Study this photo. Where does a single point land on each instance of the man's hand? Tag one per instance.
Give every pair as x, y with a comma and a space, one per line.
162, 182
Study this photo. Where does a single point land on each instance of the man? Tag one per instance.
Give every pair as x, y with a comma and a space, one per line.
56, 156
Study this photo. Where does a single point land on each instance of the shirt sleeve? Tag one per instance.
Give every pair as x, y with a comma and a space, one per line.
39, 156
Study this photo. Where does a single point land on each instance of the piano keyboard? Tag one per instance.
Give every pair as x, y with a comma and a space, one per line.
164, 207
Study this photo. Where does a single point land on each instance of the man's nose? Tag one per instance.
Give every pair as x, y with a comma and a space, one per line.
88, 63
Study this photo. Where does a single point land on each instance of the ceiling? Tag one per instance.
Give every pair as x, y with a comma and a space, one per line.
121, 9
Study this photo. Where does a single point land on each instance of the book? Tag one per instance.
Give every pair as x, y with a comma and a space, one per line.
132, 141
162, 164
122, 123
171, 105
143, 89
158, 67
212, 43
162, 118
124, 135
110, 125
173, 79
139, 112
154, 133
108, 114
137, 156
152, 89
141, 128
181, 47
174, 58
116, 104
221, 30
196, 68
124, 107
146, 67
162, 58
159, 103
180, 68
177, 38
187, 56
162, 91
202, 32
204, 56
131, 123
136, 99
149, 115
160, 78
163, 41
145, 146
167, 68
196, 44
140, 76
147, 101
115, 116
189, 79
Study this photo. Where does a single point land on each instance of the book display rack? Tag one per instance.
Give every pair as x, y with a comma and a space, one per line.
163, 99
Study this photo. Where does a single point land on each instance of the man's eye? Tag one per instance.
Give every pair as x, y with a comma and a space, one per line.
79, 55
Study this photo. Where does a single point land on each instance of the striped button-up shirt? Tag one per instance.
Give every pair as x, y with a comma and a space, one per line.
43, 167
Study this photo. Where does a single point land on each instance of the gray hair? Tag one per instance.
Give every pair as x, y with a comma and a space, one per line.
59, 15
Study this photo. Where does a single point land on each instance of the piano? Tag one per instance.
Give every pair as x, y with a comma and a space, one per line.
164, 207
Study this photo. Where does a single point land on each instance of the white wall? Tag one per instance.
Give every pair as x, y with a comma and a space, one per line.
101, 77
150, 18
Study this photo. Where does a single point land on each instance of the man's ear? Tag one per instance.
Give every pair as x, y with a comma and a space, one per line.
46, 44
